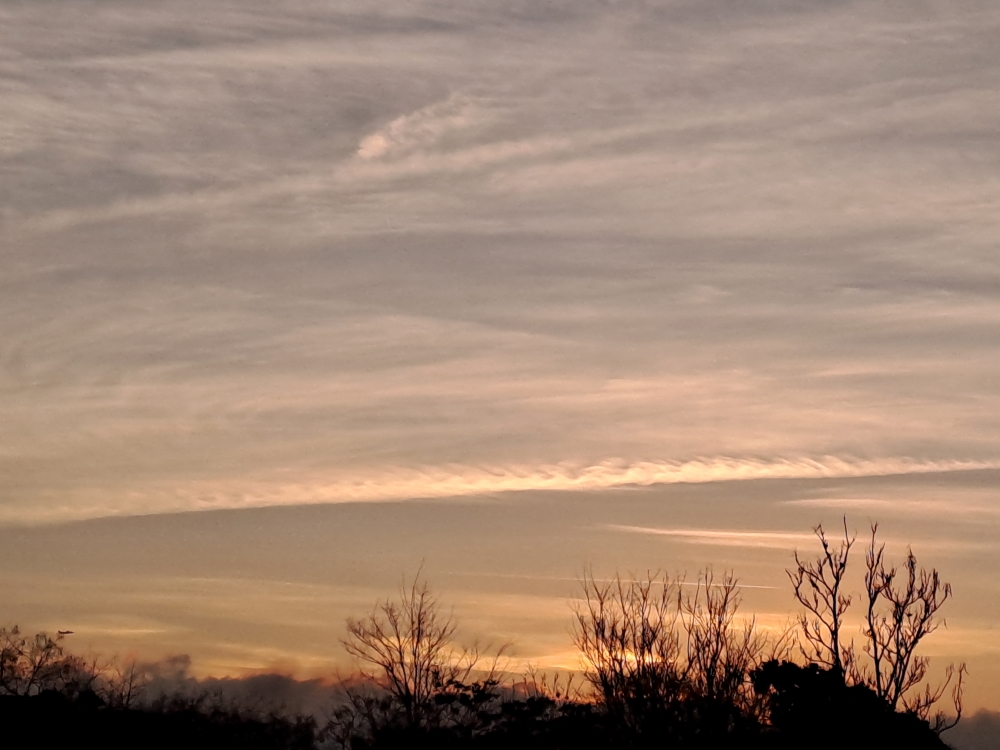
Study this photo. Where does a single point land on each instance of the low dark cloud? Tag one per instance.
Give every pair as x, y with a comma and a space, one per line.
981, 731
260, 694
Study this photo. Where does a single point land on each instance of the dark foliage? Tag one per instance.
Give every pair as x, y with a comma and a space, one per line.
812, 706
541, 724
808, 707
51, 719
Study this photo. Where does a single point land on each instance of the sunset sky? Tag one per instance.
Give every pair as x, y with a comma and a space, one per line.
296, 296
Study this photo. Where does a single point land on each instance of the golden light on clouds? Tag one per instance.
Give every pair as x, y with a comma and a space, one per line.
457, 481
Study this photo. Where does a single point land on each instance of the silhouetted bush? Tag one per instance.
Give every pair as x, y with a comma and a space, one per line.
812, 706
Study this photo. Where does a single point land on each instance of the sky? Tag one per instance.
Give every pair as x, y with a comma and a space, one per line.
296, 296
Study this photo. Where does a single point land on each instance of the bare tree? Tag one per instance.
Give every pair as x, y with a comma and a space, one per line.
407, 648
126, 685
668, 662
721, 652
819, 587
902, 609
32, 664
627, 634
29, 665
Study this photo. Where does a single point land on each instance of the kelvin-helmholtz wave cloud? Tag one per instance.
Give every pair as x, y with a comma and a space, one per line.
278, 252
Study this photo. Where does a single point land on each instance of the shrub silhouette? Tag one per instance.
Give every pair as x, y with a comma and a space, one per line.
812, 706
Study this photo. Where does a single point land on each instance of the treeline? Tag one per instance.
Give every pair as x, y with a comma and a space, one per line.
665, 664
51, 698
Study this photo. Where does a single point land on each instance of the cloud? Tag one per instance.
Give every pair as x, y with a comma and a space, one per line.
421, 130
266, 692
787, 540
457, 481
724, 538
897, 506
981, 731
289, 255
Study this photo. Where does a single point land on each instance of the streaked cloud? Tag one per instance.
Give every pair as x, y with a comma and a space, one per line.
789, 540
901, 506
726, 538
458, 481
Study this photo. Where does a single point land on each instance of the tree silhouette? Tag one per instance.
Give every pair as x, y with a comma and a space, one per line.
902, 608
31, 664
669, 665
627, 633
423, 680
721, 652
126, 685
818, 586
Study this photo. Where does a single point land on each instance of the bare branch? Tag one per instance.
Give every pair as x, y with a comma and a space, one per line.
818, 586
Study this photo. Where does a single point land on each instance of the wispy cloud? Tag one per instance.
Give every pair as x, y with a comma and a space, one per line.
295, 254
901, 506
725, 538
458, 481
789, 540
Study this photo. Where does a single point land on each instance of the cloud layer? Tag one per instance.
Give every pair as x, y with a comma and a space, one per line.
279, 252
